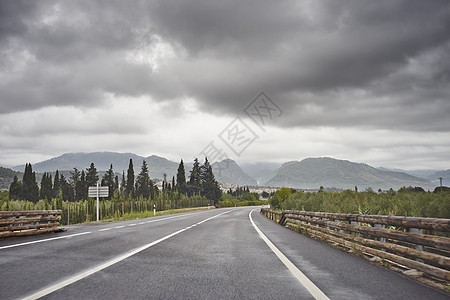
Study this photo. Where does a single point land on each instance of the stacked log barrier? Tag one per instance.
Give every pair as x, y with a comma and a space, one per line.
30, 222
421, 244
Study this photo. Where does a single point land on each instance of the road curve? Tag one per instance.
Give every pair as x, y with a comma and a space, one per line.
215, 254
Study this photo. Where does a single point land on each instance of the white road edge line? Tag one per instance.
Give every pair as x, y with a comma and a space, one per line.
308, 284
68, 236
46, 240
109, 263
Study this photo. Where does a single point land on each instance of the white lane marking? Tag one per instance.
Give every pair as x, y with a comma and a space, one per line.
109, 263
308, 284
129, 225
141, 223
68, 236
46, 240
105, 229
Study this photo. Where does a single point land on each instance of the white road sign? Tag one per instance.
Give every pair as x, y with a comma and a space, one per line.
101, 191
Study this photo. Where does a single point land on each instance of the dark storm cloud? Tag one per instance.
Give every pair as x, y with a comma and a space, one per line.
382, 64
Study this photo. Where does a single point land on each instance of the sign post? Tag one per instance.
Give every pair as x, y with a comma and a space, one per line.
98, 191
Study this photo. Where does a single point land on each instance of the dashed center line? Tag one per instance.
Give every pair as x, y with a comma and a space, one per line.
105, 229
131, 225
117, 227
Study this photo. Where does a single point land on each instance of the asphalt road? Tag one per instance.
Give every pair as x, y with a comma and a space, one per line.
215, 254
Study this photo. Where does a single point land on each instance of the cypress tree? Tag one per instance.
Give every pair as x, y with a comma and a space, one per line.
75, 181
129, 188
56, 185
181, 179
122, 184
46, 187
194, 179
30, 189
108, 179
66, 189
116, 183
143, 182
15, 189
82, 189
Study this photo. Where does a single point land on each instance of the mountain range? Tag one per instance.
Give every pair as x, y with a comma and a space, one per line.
309, 173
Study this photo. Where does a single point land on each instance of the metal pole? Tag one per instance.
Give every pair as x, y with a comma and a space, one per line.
98, 192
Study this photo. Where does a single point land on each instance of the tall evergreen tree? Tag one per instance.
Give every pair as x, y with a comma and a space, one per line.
30, 189
46, 187
194, 179
209, 186
15, 189
56, 185
116, 183
66, 189
109, 181
129, 188
75, 181
143, 182
181, 179
82, 189
91, 176
123, 184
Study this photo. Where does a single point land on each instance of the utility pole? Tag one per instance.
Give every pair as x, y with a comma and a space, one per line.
440, 180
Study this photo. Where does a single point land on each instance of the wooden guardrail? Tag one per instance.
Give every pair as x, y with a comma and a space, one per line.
31, 222
420, 244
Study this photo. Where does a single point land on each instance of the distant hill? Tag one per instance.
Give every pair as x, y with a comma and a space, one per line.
7, 176
158, 166
102, 160
228, 171
311, 173
416, 173
445, 177
261, 172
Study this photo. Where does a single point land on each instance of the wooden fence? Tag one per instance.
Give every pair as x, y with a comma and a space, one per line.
420, 244
29, 222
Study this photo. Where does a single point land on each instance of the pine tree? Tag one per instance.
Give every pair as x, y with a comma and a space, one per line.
194, 179
209, 186
143, 182
56, 185
129, 188
15, 189
181, 179
91, 176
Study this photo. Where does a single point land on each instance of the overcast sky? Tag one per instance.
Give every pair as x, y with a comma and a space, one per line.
367, 81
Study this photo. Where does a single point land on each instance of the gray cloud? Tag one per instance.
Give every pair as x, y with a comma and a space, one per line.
380, 64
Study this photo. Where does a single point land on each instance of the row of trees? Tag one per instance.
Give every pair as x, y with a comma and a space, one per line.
201, 182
